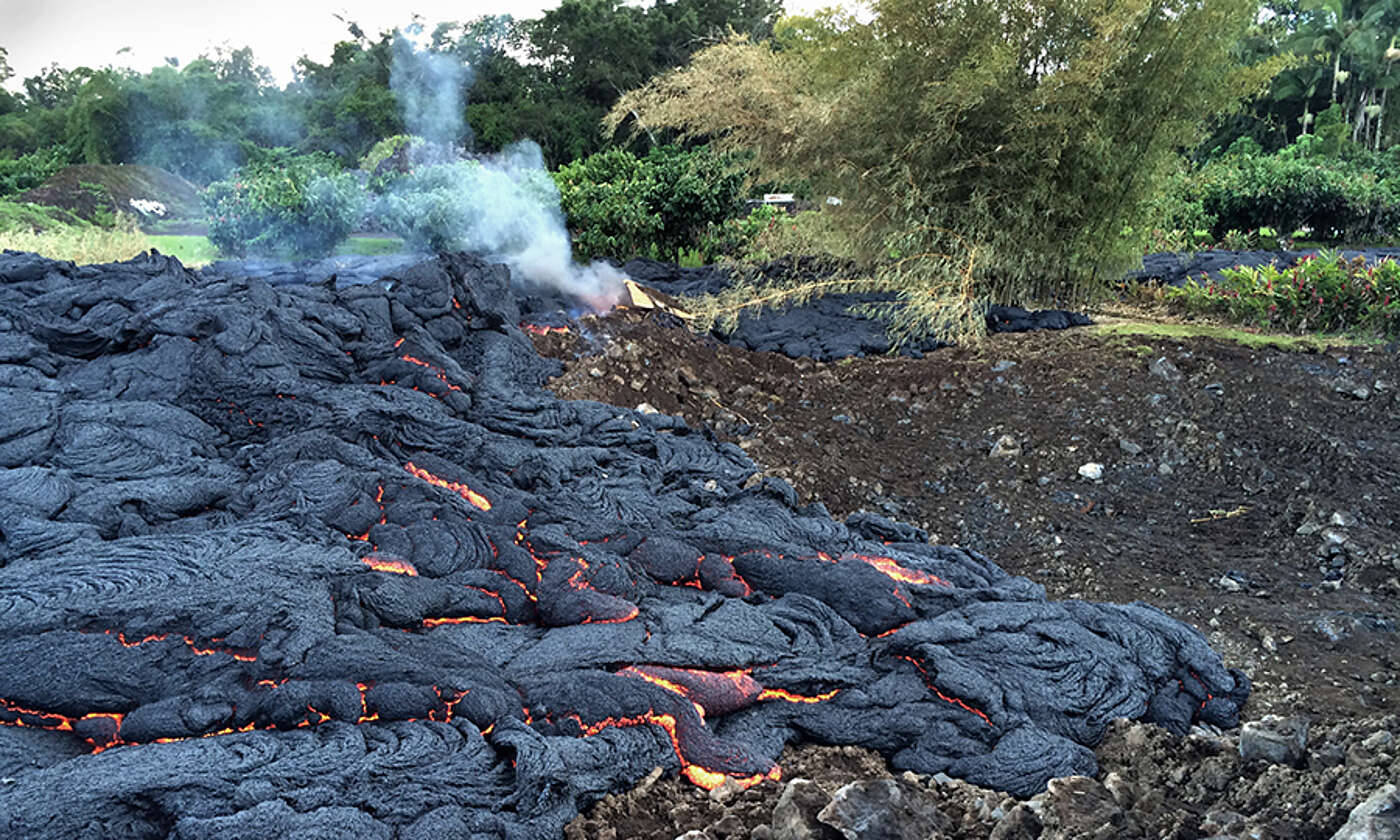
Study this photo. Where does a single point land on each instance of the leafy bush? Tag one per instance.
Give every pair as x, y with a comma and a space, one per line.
1325, 293
31, 170
619, 205
1319, 183
301, 205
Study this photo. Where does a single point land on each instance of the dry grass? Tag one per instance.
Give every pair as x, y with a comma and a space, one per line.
79, 244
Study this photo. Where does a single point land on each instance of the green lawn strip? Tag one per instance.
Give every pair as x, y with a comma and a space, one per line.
1247, 338
190, 250
198, 250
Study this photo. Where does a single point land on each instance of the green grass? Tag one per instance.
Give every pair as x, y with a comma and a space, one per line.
1247, 338
190, 250
370, 246
198, 250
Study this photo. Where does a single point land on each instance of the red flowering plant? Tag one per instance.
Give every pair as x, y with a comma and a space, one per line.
1324, 293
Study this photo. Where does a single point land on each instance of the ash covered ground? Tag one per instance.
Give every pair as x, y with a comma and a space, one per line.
331, 562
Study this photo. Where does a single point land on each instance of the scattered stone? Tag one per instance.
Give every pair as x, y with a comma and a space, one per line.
1164, 468
647, 408
884, 809
842, 418
1215, 389
726, 791
1275, 739
1078, 806
1006, 447
1377, 818
795, 815
1351, 389
1091, 471
1162, 368
595, 373
1343, 519
1229, 584
1003, 366
693, 834
1130, 448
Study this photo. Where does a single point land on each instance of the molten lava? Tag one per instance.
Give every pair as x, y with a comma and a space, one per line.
477, 500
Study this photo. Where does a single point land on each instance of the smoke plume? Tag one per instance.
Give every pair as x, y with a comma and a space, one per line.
505, 205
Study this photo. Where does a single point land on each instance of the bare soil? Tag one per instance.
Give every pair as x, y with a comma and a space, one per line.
1250, 492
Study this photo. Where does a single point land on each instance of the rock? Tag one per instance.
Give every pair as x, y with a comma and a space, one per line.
1229, 584
1130, 448
795, 815
1092, 471
686, 375
647, 408
884, 809
726, 791
1003, 366
1377, 818
1343, 519
1020, 823
1275, 739
1164, 369
1164, 468
1351, 389
596, 373
1078, 806
693, 834
1006, 447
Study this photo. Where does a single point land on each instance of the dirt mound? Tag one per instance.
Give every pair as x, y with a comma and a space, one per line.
92, 190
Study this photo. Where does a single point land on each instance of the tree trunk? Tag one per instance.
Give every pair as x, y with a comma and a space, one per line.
1380, 118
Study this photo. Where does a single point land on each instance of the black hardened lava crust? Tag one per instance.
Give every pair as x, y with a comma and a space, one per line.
314, 561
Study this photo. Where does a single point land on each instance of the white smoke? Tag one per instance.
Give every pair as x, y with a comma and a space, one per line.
505, 206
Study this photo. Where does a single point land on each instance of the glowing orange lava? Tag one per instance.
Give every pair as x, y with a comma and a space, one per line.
928, 682
383, 564
541, 329
477, 500
890, 567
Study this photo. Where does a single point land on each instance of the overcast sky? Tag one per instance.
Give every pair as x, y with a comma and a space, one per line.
91, 32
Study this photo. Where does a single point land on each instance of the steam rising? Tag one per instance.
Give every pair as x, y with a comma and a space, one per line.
505, 205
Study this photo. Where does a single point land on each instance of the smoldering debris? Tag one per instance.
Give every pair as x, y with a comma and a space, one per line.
316, 560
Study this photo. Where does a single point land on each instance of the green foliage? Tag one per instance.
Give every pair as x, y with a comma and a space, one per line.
998, 147
620, 205
23, 216
301, 205
29, 171
1326, 293
96, 124
1339, 199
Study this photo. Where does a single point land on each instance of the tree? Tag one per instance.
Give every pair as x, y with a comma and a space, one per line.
984, 149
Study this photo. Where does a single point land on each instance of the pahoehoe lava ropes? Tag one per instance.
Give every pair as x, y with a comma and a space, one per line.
303, 560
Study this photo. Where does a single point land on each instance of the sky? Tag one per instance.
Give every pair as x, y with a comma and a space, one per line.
73, 33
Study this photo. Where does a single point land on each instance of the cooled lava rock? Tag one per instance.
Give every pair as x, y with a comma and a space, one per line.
315, 560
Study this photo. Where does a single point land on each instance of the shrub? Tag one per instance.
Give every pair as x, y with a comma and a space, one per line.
619, 205
1326, 293
35, 218
299, 205
1327, 185
29, 171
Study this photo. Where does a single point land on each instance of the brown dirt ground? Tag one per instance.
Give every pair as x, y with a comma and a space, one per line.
1253, 496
